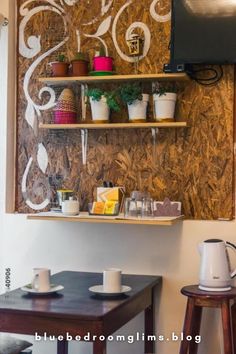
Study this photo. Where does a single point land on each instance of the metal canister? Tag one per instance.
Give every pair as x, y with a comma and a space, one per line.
64, 194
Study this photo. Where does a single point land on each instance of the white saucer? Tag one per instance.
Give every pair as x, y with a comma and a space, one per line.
98, 289
54, 289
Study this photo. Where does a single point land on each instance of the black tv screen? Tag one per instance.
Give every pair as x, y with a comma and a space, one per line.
203, 31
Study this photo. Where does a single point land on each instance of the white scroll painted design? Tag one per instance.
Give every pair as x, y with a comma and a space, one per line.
157, 17
104, 9
102, 29
42, 157
143, 26
32, 205
34, 48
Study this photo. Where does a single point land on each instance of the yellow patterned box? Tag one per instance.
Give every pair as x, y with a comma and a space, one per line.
110, 207
115, 194
98, 208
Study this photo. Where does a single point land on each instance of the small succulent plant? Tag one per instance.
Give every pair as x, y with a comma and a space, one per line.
61, 58
81, 56
130, 93
111, 97
162, 88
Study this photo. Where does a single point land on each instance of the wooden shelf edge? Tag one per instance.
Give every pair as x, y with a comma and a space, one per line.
114, 125
105, 221
86, 79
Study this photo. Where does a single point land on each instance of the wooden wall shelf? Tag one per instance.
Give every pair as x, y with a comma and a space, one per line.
114, 78
114, 125
85, 218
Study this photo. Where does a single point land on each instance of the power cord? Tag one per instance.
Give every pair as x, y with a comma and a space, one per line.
215, 77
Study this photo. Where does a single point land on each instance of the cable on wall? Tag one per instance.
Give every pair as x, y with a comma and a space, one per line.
215, 74
3, 21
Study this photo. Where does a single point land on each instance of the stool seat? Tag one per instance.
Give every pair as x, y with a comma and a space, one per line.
197, 300
194, 291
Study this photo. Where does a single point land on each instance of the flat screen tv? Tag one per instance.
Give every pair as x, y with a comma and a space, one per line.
203, 31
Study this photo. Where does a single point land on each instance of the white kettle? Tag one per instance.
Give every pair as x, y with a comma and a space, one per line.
215, 273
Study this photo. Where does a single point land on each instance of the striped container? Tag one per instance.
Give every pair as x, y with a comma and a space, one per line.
65, 111
63, 117
65, 106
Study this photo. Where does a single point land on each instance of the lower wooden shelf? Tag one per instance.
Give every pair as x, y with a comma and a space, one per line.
85, 217
114, 125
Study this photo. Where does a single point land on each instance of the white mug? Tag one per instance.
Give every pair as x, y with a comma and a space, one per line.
41, 279
70, 207
112, 280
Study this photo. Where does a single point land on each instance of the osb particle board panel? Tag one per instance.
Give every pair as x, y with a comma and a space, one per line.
193, 165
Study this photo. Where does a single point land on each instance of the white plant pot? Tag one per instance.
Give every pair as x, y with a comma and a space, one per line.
100, 110
138, 109
164, 106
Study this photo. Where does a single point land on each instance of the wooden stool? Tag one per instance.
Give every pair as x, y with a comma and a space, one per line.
197, 299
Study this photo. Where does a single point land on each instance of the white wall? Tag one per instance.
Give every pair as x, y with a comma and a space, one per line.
168, 251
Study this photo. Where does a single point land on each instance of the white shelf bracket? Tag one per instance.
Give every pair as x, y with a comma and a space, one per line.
84, 144
155, 132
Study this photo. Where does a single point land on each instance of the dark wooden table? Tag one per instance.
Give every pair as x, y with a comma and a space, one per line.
78, 312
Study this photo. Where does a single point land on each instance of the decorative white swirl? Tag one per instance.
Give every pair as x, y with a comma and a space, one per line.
102, 29
147, 35
106, 6
34, 45
24, 10
29, 52
104, 9
32, 205
42, 157
156, 16
71, 2
32, 107
78, 40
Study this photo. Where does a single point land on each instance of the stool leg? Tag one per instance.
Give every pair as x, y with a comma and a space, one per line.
188, 324
225, 314
233, 317
197, 317
99, 347
62, 347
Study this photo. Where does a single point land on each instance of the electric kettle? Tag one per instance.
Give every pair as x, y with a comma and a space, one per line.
215, 273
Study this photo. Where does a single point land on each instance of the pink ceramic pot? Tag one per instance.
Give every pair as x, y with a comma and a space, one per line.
62, 117
102, 64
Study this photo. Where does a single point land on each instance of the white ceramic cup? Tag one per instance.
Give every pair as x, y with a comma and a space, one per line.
70, 207
112, 280
41, 279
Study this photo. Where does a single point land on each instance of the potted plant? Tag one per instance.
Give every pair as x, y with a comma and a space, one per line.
164, 98
80, 65
60, 67
102, 62
131, 94
101, 103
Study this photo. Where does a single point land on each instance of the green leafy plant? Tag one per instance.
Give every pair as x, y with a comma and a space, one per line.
162, 88
111, 97
95, 93
61, 58
130, 93
81, 56
112, 101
